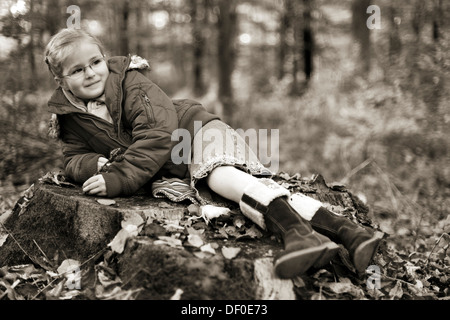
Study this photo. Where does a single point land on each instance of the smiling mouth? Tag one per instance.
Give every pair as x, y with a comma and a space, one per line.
89, 85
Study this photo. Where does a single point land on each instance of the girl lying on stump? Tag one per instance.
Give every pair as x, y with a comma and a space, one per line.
104, 103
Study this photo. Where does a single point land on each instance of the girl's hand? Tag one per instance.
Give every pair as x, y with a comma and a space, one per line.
101, 162
95, 186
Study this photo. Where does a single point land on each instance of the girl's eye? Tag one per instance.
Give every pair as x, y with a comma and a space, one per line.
96, 62
76, 71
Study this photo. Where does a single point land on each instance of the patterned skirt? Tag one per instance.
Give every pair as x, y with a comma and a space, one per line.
215, 144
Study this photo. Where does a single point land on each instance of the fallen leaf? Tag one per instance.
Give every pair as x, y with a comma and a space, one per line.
411, 270
396, 291
209, 212
201, 254
70, 269
284, 175
56, 178
106, 202
207, 248
214, 245
318, 296
132, 225
194, 240
177, 294
191, 230
194, 209
172, 242
375, 293
68, 266
119, 241
230, 253
343, 286
55, 292
172, 227
222, 234
231, 231
238, 221
417, 289
4, 216
113, 293
3, 238
253, 232
106, 279
346, 286
69, 295
298, 282
24, 271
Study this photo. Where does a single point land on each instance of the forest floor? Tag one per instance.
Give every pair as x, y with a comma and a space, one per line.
406, 267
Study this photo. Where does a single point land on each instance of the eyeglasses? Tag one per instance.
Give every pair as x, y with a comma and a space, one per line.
79, 72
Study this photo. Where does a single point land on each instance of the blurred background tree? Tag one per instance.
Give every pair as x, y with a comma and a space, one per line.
365, 107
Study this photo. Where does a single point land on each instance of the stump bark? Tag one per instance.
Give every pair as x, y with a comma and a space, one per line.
51, 223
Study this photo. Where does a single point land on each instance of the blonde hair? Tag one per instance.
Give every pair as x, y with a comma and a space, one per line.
61, 45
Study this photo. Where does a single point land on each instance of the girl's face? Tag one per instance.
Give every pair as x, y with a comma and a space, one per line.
85, 71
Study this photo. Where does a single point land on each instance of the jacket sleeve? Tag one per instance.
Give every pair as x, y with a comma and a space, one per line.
80, 161
153, 118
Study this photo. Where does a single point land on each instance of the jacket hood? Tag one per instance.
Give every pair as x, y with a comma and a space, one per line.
122, 64
62, 101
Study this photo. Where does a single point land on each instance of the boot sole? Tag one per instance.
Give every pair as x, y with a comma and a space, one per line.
331, 251
298, 262
365, 252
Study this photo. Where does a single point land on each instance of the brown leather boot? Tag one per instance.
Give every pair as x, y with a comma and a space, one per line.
360, 243
303, 247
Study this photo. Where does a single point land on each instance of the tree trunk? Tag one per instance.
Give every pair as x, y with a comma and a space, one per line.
226, 53
30, 49
285, 24
362, 34
395, 43
418, 18
53, 16
177, 51
308, 40
198, 43
124, 8
52, 223
437, 19
297, 26
139, 24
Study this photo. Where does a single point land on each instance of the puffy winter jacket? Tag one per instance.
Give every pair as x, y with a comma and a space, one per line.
144, 118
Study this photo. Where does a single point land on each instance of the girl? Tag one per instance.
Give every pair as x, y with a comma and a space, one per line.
102, 104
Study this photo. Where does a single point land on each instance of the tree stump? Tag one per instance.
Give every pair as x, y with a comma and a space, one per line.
233, 260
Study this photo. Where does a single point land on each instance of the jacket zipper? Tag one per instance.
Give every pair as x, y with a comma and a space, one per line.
148, 108
117, 129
